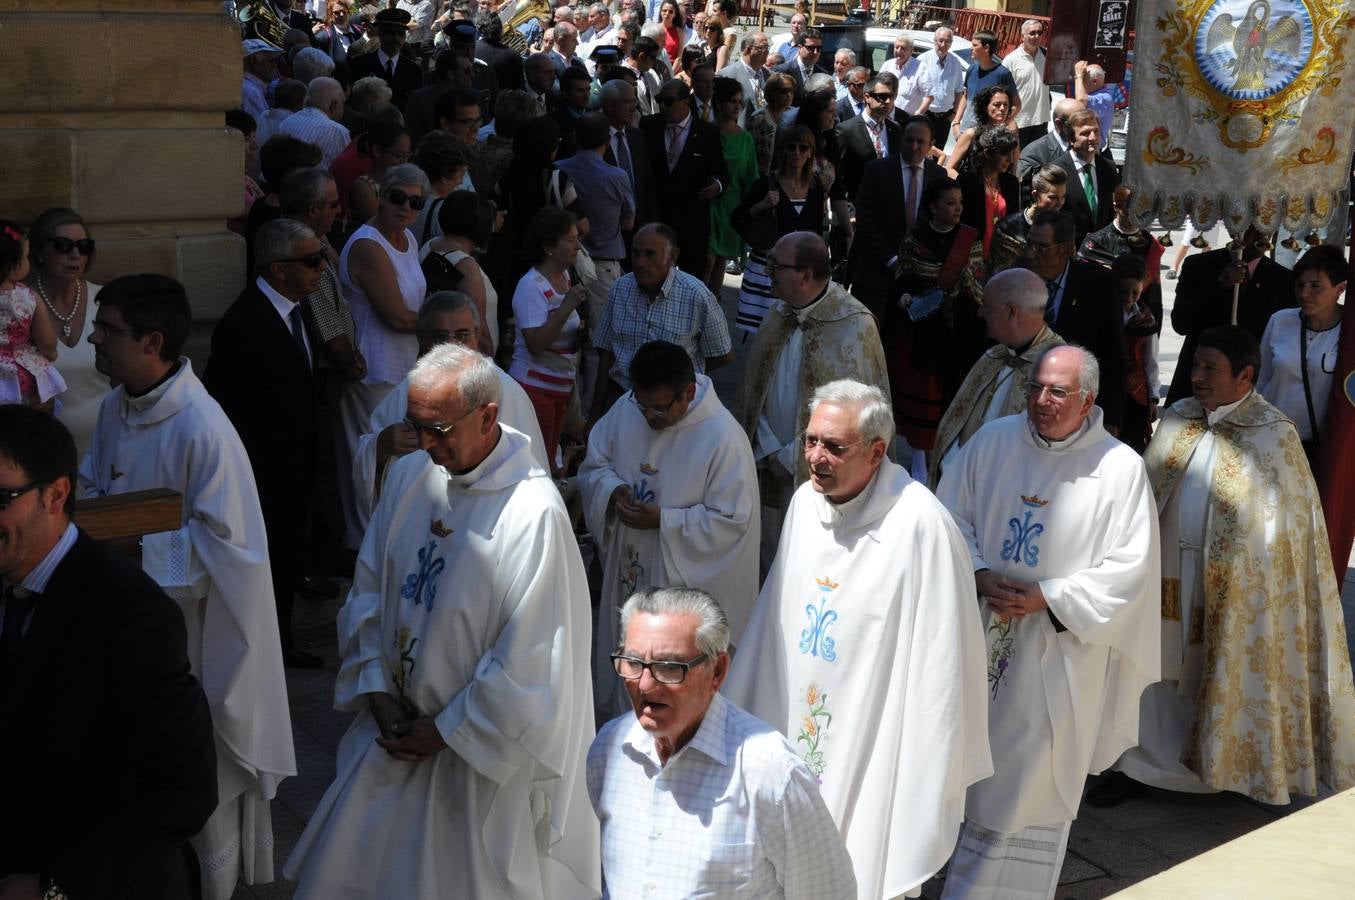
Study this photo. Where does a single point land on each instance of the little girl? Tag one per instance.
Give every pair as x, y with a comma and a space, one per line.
27, 338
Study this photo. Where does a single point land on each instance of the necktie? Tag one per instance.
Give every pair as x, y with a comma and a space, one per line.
623, 157
541, 100
294, 317
390, 69
875, 139
1053, 287
17, 609
1089, 189
674, 147
910, 200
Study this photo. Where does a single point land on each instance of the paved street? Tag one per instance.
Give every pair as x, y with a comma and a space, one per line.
1108, 849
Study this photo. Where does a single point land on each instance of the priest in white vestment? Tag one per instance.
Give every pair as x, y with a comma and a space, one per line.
1256, 694
444, 316
161, 429
670, 496
1013, 308
1062, 530
865, 647
464, 648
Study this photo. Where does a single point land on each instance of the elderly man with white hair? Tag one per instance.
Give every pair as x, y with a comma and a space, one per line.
1013, 311
318, 122
1062, 531
464, 646
867, 627
661, 779
310, 63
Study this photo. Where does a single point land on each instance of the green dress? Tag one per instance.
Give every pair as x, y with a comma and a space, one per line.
741, 159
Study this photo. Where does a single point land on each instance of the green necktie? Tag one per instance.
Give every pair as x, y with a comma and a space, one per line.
1088, 188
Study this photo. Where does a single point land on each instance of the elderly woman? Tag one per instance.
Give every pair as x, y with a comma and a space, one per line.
467, 220
61, 252
990, 189
1299, 346
549, 330
1047, 190
384, 286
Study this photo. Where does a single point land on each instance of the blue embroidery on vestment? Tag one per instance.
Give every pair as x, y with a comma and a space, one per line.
814, 640
422, 586
1022, 548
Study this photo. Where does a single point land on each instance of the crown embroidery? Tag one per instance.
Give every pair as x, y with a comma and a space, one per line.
826, 583
1034, 501
647, 469
439, 529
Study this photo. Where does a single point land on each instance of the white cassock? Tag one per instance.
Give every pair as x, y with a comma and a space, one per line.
865, 650
515, 411
469, 605
700, 473
216, 567
1078, 517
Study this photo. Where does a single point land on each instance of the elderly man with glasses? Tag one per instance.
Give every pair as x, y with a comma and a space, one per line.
696, 797
464, 654
1062, 532
1026, 65
867, 626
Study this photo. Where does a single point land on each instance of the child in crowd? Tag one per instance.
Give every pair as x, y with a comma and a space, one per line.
27, 336
1140, 351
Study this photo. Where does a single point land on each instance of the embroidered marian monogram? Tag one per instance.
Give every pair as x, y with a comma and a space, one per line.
814, 640
643, 493
422, 586
1022, 548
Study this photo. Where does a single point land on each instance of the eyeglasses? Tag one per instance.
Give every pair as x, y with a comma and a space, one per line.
109, 330
395, 154
400, 198
437, 430
310, 260
664, 671
64, 245
813, 48
1035, 389
464, 336
832, 448
9, 495
646, 409
852, 84
471, 120
881, 96
772, 265
1034, 33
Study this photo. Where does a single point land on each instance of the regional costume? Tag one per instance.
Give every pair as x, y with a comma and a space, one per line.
1077, 517
469, 605
995, 387
216, 566
700, 474
865, 649
1256, 695
515, 411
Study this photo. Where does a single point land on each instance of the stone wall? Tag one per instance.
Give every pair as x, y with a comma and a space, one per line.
115, 109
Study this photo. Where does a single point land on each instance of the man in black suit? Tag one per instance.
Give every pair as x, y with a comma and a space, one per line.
689, 169
865, 138
506, 63
262, 372
854, 104
387, 62
1046, 149
107, 767
1091, 177
808, 50
887, 206
1204, 298
618, 101
575, 86
538, 75
450, 72
1083, 305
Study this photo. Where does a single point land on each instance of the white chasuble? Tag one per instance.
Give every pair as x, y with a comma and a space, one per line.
216, 566
469, 605
515, 411
1076, 516
865, 650
700, 473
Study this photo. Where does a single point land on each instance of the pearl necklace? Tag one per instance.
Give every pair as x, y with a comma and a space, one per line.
75, 308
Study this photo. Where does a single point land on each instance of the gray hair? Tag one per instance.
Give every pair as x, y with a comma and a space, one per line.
323, 90
474, 374
600, 8
301, 189
311, 63
653, 30
276, 240
616, 90
405, 175
565, 29
712, 629
443, 303
855, 69
821, 83
946, 28
748, 41
1025, 26
1096, 73
369, 93
1088, 373
1021, 288
850, 53
875, 418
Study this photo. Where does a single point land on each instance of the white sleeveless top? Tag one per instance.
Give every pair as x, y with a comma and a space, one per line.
389, 354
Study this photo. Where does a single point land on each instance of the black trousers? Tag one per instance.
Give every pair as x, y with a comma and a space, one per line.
941, 127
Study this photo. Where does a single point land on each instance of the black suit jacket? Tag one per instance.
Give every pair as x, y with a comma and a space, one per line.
703, 158
881, 226
108, 764
1201, 302
1040, 152
1075, 200
856, 150
846, 110
792, 68
646, 207
408, 76
507, 65
1090, 315
420, 110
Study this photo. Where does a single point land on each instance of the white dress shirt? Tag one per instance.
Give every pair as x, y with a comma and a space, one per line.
734, 813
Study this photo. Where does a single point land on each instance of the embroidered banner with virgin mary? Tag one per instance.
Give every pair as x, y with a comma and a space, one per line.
1242, 112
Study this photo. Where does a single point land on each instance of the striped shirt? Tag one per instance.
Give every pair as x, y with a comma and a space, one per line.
554, 369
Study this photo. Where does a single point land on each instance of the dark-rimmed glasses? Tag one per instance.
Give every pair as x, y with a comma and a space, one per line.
880, 96
110, 330
400, 198
772, 266
437, 429
9, 495
665, 671
310, 260
64, 245
647, 410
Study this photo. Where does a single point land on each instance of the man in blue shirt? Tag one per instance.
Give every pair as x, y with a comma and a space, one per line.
987, 69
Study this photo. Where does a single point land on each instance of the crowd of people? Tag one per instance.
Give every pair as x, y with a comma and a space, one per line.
945, 554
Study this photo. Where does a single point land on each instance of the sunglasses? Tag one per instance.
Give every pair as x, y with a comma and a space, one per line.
310, 260
64, 245
813, 48
9, 495
400, 198
881, 96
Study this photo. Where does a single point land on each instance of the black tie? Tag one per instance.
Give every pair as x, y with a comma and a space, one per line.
17, 609
390, 70
1049, 311
295, 318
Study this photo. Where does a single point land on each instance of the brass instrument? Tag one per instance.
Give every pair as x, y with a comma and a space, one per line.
258, 20
514, 14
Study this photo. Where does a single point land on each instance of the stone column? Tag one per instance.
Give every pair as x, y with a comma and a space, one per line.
115, 109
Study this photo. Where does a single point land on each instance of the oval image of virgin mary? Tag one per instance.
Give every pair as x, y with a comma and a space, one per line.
1253, 49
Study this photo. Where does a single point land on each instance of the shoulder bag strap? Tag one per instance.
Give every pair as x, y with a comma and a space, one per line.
1303, 367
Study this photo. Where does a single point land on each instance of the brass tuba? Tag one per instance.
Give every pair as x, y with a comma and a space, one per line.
258, 20
514, 14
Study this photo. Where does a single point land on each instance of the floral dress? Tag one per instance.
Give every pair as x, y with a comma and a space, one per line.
26, 376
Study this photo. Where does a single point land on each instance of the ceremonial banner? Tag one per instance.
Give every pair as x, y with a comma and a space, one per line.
1242, 111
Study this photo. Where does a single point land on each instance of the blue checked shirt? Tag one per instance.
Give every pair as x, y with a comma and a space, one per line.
685, 313
735, 813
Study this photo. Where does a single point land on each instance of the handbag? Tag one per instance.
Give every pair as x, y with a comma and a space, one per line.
585, 270
762, 230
